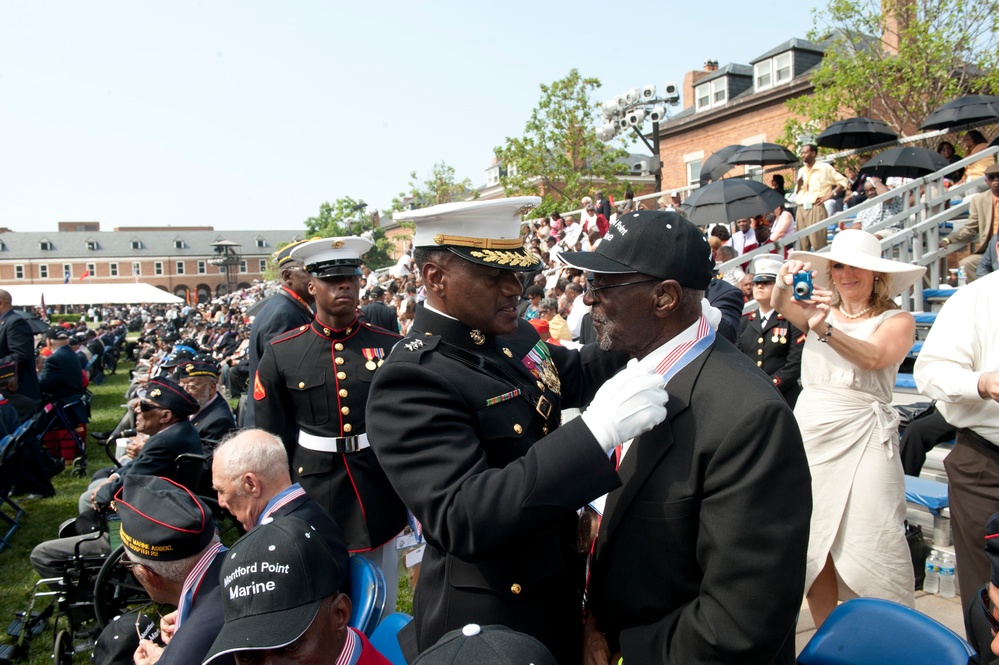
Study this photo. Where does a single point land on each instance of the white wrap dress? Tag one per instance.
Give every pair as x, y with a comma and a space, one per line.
850, 433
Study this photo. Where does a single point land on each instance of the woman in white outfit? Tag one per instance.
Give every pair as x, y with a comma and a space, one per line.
856, 339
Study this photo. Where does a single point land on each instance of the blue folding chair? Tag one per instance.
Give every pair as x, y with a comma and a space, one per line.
13, 522
871, 631
367, 594
385, 638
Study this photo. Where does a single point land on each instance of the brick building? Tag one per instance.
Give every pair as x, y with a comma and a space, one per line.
735, 104
179, 260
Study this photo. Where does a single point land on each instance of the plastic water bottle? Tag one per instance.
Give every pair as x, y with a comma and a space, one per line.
931, 583
948, 586
962, 279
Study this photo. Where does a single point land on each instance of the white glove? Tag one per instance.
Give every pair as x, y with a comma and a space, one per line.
632, 402
712, 313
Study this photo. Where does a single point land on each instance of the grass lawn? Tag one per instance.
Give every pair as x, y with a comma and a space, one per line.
43, 516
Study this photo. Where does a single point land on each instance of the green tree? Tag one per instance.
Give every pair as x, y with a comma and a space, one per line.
559, 156
441, 186
347, 217
899, 64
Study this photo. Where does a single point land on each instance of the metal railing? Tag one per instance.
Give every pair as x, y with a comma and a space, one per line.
924, 209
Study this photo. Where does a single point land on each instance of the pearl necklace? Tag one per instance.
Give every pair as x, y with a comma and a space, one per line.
854, 316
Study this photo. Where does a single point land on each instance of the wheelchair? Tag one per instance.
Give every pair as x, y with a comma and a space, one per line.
90, 591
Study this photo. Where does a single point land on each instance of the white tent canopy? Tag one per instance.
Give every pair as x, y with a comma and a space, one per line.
30, 295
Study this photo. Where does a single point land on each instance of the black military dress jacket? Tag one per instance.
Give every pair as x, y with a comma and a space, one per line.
316, 379
776, 349
477, 454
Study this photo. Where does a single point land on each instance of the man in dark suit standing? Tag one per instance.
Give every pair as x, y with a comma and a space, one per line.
289, 308
17, 344
474, 444
700, 555
377, 313
768, 339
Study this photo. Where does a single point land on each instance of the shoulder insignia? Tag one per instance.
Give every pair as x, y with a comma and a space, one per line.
412, 349
258, 387
291, 334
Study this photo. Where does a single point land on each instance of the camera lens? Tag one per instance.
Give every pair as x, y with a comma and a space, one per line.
801, 290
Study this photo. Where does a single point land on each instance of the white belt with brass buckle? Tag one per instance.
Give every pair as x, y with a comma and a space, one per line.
333, 444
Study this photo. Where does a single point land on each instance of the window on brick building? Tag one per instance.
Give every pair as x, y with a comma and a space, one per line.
67, 269
693, 172
772, 71
136, 268
92, 269
45, 245
261, 242
113, 269
202, 267
711, 94
178, 244
18, 272
136, 243
43, 271
180, 268
242, 265
158, 268
263, 265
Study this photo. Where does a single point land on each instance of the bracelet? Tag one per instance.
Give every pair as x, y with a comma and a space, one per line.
781, 284
825, 338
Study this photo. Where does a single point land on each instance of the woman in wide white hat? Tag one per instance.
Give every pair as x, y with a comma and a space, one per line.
856, 337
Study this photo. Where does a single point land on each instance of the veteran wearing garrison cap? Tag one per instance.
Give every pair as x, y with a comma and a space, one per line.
474, 444
770, 340
169, 538
214, 418
311, 389
291, 307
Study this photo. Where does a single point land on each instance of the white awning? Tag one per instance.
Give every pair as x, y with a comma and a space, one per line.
30, 295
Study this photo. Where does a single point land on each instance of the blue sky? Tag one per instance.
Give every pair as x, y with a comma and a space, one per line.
248, 115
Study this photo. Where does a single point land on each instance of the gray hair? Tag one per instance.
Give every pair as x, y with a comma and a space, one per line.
253, 451
548, 303
174, 571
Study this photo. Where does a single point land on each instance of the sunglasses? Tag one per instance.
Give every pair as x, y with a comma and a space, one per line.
992, 177
146, 407
990, 610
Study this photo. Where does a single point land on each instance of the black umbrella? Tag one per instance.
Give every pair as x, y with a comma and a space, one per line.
963, 111
855, 133
36, 324
723, 201
763, 154
717, 165
905, 162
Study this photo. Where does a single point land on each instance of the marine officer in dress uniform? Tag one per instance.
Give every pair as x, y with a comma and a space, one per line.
768, 338
465, 419
289, 308
310, 390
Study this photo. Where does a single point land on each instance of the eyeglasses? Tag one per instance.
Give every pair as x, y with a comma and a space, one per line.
591, 290
990, 609
146, 407
992, 177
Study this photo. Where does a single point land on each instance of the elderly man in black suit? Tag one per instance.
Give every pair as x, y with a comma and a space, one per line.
17, 344
250, 474
700, 555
